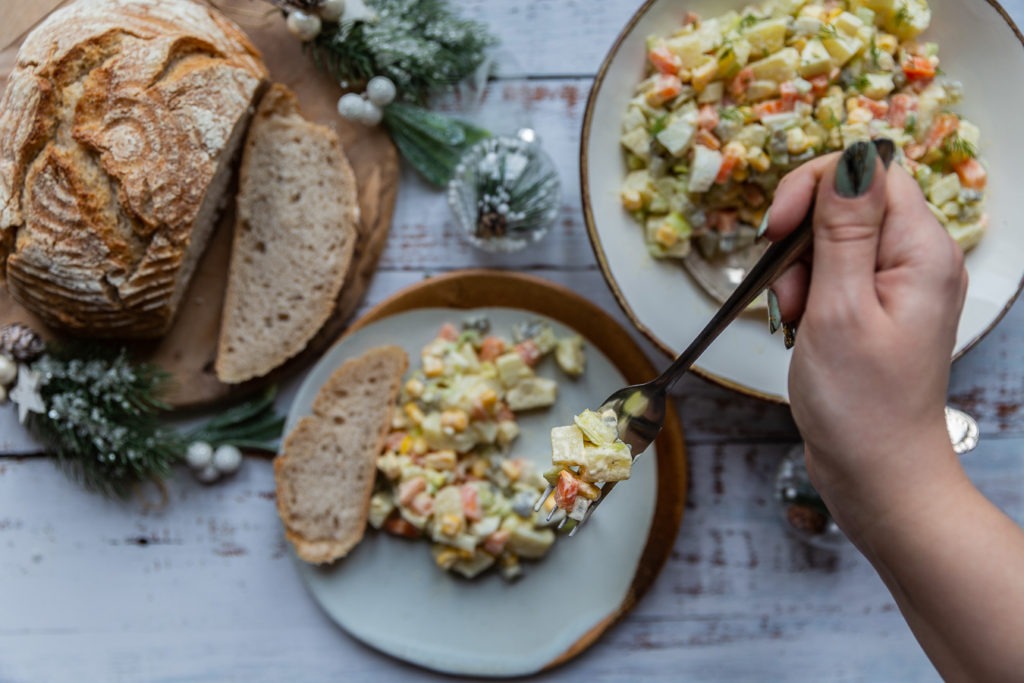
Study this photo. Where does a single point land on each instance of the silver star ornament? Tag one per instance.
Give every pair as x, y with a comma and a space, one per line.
26, 394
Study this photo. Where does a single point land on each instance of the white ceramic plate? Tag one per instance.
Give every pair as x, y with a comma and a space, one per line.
978, 45
389, 594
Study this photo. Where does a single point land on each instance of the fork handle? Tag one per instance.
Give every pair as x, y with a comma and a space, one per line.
775, 260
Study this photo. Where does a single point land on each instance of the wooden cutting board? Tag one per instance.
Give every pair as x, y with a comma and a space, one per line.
187, 352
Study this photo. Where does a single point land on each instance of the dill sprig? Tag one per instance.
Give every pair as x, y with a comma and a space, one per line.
957, 150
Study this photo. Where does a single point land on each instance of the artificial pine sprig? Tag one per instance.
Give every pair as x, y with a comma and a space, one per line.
431, 142
252, 426
100, 421
421, 45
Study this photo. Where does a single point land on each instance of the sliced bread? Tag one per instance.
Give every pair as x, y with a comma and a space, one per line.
294, 235
327, 465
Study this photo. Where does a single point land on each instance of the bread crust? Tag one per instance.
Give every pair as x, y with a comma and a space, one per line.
116, 131
327, 466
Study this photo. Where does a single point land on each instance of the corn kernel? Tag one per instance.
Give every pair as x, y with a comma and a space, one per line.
455, 418
665, 235
488, 399
419, 446
479, 468
432, 366
886, 42
414, 388
452, 525
800, 43
740, 174
406, 445
589, 491
447, 558
413, 412
758, 160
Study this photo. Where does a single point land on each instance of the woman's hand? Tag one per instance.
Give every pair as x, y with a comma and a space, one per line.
877, 306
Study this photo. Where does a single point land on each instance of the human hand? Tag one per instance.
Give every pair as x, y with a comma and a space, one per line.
877, 304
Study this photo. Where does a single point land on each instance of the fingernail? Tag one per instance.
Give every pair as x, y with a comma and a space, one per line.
789, 334
761, 229
774, 314
886, 149
856, 170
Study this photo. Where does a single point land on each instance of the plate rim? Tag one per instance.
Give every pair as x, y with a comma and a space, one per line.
602, 260
483, 288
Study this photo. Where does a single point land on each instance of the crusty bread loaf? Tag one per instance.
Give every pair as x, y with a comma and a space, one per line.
294, 235
327, 465
117, 129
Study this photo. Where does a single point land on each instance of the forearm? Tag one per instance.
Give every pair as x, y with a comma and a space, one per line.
955, 565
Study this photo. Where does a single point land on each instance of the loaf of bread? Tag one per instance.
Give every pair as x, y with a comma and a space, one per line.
295, 230
328, 461
117, 129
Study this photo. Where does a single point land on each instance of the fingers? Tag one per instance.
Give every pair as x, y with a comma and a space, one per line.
848, 215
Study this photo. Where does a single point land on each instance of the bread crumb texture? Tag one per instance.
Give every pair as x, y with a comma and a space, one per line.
328, 461
117, 128
294, 239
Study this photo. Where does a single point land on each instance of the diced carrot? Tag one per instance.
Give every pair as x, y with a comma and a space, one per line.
566, 491
691, 19
664, 60
729, 163
470, 502
528, 351
918, 68
943, 126
399, 527
819, 85
914, 151
707, 139
410, 488
491, 347
707, 117
666, 87
790, 95
495, 543
448, 332
769, 107
422, 504
878, 109
741, 82
900, 107
972, 174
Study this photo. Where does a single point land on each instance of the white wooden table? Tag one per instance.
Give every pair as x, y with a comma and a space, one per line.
204, 589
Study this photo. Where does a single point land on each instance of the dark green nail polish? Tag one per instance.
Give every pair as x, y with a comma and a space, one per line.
789, 334
886, 149
856, 170
774, 314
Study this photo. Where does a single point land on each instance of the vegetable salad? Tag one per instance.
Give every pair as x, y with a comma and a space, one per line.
446, 473
734, 102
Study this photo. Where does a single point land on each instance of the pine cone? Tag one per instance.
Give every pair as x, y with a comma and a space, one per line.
20, 342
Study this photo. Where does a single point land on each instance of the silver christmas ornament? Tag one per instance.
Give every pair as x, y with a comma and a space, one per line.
332, 10
199, 454
381, 91
8, 370
350, 106
227, 459
371, 114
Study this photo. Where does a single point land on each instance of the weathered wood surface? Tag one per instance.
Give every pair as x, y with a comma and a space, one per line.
204, 590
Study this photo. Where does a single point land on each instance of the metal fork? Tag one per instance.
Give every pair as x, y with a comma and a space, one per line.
641, 408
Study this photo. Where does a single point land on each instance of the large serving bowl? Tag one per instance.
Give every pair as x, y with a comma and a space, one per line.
979, 45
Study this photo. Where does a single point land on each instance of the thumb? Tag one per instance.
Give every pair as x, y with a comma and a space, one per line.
847, 224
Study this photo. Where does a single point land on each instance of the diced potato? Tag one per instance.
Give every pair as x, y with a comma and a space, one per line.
807, 26
636, 190
780, 66
668, 236
638, 142
676, 136
766, 37
567, 446
526, 541
687, 48
754, 135
702, 74
733, 58
508, 430
570, 356
969, 133
610, 462
474, 565
847, 23
877, 86
713, 92
945, 189
512, 369
706, 163
381, 506
842, 48
815, 59
596, 429
486, 431
633, 119
534, 392
967, 235
762, 89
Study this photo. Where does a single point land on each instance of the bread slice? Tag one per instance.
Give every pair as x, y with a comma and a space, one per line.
327, 465
294, 235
